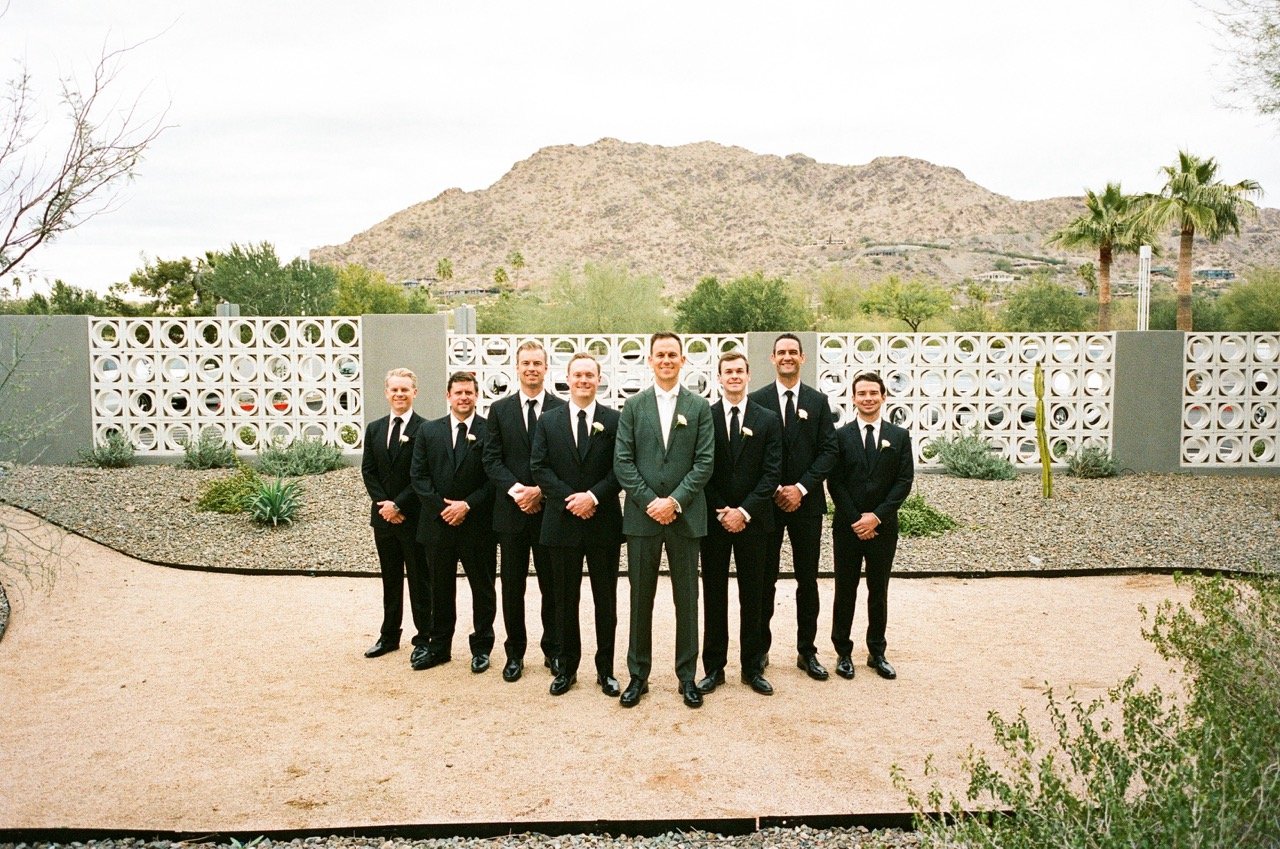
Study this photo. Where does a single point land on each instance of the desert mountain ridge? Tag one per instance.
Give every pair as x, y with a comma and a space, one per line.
702, 209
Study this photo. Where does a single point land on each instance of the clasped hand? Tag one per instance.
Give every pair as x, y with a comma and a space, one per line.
662, 510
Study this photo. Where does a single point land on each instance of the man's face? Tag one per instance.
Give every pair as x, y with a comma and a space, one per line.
584, 380
666, 360
734, 376
868, 398
461, 398
531, 366
400, 393
786, 358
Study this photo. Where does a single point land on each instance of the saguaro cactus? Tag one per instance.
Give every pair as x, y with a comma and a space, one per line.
1042, 441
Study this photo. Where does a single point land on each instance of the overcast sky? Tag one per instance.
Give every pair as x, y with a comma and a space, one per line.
303, 123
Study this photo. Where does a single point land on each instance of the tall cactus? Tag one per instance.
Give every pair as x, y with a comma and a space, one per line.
1042, 441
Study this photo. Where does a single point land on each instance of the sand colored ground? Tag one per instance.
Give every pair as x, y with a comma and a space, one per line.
136, 696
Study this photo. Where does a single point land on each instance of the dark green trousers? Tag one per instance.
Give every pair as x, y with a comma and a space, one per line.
644, 553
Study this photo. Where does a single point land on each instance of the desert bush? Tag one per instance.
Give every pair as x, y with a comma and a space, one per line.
230, 494
1143, 767
970, 456
1092, 462
114, 452
275, 502
210, 451
916, 518
300, 457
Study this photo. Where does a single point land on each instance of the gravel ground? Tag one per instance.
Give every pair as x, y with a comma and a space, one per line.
1130, 522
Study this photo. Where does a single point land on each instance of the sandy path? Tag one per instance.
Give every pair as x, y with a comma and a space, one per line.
136, 696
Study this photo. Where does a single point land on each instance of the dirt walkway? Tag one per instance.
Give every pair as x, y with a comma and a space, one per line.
135, 696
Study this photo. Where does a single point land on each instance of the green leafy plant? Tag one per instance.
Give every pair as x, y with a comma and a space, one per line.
300, 457
275, 502
114, 452
919, 519
210, 451
1092, 462
970, 456
230, 494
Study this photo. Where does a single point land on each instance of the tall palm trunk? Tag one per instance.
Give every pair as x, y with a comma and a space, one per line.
1184, 277
1104, 288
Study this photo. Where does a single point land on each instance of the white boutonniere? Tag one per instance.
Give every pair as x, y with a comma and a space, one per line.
803, 415
681, 421
596, 427
746, 431
884, 443
404, 437
471, 437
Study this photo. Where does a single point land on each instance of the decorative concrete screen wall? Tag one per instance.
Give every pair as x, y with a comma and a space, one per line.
624, 368
1231, 400
941, 384
254, 380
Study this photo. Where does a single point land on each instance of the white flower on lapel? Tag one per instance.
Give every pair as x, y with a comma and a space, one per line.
884, 443
471, 437
681, 421
746, 431
596, 427
803, 415
404, 437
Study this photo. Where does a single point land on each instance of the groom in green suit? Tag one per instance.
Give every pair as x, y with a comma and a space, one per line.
662, 458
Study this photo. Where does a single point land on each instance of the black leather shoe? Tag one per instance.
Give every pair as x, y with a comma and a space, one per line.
758, 683
479, 663
561, 684
418, 655
689, 691
608, 685
381, 647
631, 695
430, 659
815, 670
844, 666
713, 680
552, 663
513, 670
882, 667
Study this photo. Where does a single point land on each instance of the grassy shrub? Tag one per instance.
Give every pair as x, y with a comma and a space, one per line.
230, 494
918, 519
300, 457
275, 502
210, 451
1092, 462
114, 452
970, 456
1143, 768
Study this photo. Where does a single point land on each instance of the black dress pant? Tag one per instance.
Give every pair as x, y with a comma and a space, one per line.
850, 555
400, 555
749, 559
515, 550
805, 533
479, 564
602, 569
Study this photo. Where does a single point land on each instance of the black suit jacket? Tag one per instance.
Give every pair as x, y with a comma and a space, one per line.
809, 450
560, 471
506, 458
858, 487
434, 479
749, 478
385, 470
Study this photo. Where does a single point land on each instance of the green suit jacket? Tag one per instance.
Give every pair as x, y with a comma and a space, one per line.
647, 470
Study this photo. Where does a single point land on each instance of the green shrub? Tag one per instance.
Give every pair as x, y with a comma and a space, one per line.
970, 456
114, 452
300, 457
1144, 768
275, 502
230, 494
210, 451
918, 519
1092, 462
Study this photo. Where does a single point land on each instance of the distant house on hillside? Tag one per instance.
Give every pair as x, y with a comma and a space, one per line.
1214, 274
889, 250
994, 277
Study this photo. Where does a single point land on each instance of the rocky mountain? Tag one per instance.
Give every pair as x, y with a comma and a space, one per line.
689, 211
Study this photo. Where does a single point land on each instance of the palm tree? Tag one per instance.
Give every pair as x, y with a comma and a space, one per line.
1196, 201
444, 269
1112, 228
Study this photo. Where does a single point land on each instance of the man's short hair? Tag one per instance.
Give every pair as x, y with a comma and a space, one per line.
791, 336
460, 377
531, 345
665, 334
729, 356
400, 372
869, 377
582, 355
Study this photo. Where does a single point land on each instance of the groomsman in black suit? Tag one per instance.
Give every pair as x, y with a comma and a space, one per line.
740, 517
573, 463
457, 503
808, 455
873, 476
517, 508
393, 514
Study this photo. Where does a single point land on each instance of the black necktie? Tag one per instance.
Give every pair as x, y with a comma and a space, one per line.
791, 408
393, 444
530, 419
582, 434
459, 443
735, 430
869, 444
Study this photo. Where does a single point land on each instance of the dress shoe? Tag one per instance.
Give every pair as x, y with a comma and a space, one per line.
882, 666
430, 659
552, 663
418, 656
689, 691
608, 685
479, 663
844, 666
631, 695
381, 647
815, 670
758, 683
513, 670
561, 684
709, 683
